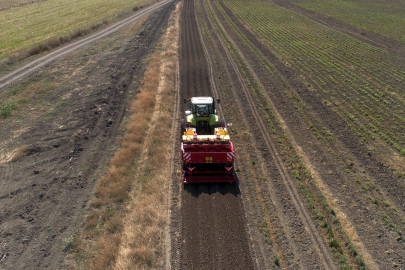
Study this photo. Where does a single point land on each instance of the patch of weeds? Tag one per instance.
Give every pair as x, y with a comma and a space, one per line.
318, 215
353, 250
85, 168
374, 201
148, 262
360, 261
7, 108
17, 89
297, 174
329, 232
276, 260
324, 224
94, 177
334, 243
253, 162
24, 100
342, 260
345, 266
265, 231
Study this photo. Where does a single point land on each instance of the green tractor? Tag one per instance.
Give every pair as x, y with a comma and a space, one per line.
202, 118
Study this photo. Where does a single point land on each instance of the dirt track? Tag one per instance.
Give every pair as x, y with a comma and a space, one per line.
42, 61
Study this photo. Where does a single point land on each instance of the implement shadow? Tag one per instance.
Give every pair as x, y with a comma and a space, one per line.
213, 188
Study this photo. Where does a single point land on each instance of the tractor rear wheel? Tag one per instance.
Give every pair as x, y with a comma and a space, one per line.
182, 128
222, 121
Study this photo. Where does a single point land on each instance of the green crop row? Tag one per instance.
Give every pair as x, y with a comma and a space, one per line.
383, 17
347, 73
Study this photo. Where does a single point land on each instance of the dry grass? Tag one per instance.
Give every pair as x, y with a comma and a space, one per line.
13, 155
125, 225
143, 225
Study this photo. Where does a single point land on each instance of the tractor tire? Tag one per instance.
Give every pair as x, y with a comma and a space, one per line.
182, 128
222, 121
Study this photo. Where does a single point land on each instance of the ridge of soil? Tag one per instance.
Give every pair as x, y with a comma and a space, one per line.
44, 194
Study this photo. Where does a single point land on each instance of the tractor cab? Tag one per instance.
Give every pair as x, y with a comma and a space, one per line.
202, 117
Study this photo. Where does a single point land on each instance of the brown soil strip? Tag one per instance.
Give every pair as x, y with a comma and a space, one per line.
213, 233
146, 212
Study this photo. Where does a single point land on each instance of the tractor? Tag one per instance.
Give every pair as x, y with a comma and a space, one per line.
207, 151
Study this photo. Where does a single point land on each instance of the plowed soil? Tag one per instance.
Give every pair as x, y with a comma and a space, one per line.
213, 234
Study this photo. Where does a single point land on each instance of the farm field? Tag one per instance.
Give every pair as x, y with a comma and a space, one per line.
318, 128
383, 17
27, 25
90, 167
8, 4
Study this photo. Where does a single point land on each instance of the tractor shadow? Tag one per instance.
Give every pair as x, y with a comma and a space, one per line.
212, 188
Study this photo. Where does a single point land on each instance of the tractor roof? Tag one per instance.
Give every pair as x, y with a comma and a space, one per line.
201, 100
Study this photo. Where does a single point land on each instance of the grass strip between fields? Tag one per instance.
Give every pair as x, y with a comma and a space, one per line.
129, 210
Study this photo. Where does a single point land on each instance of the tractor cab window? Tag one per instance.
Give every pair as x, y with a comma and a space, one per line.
202, 109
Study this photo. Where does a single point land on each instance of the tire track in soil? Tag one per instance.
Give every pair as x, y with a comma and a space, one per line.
264, 253
289, 186
212, 236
